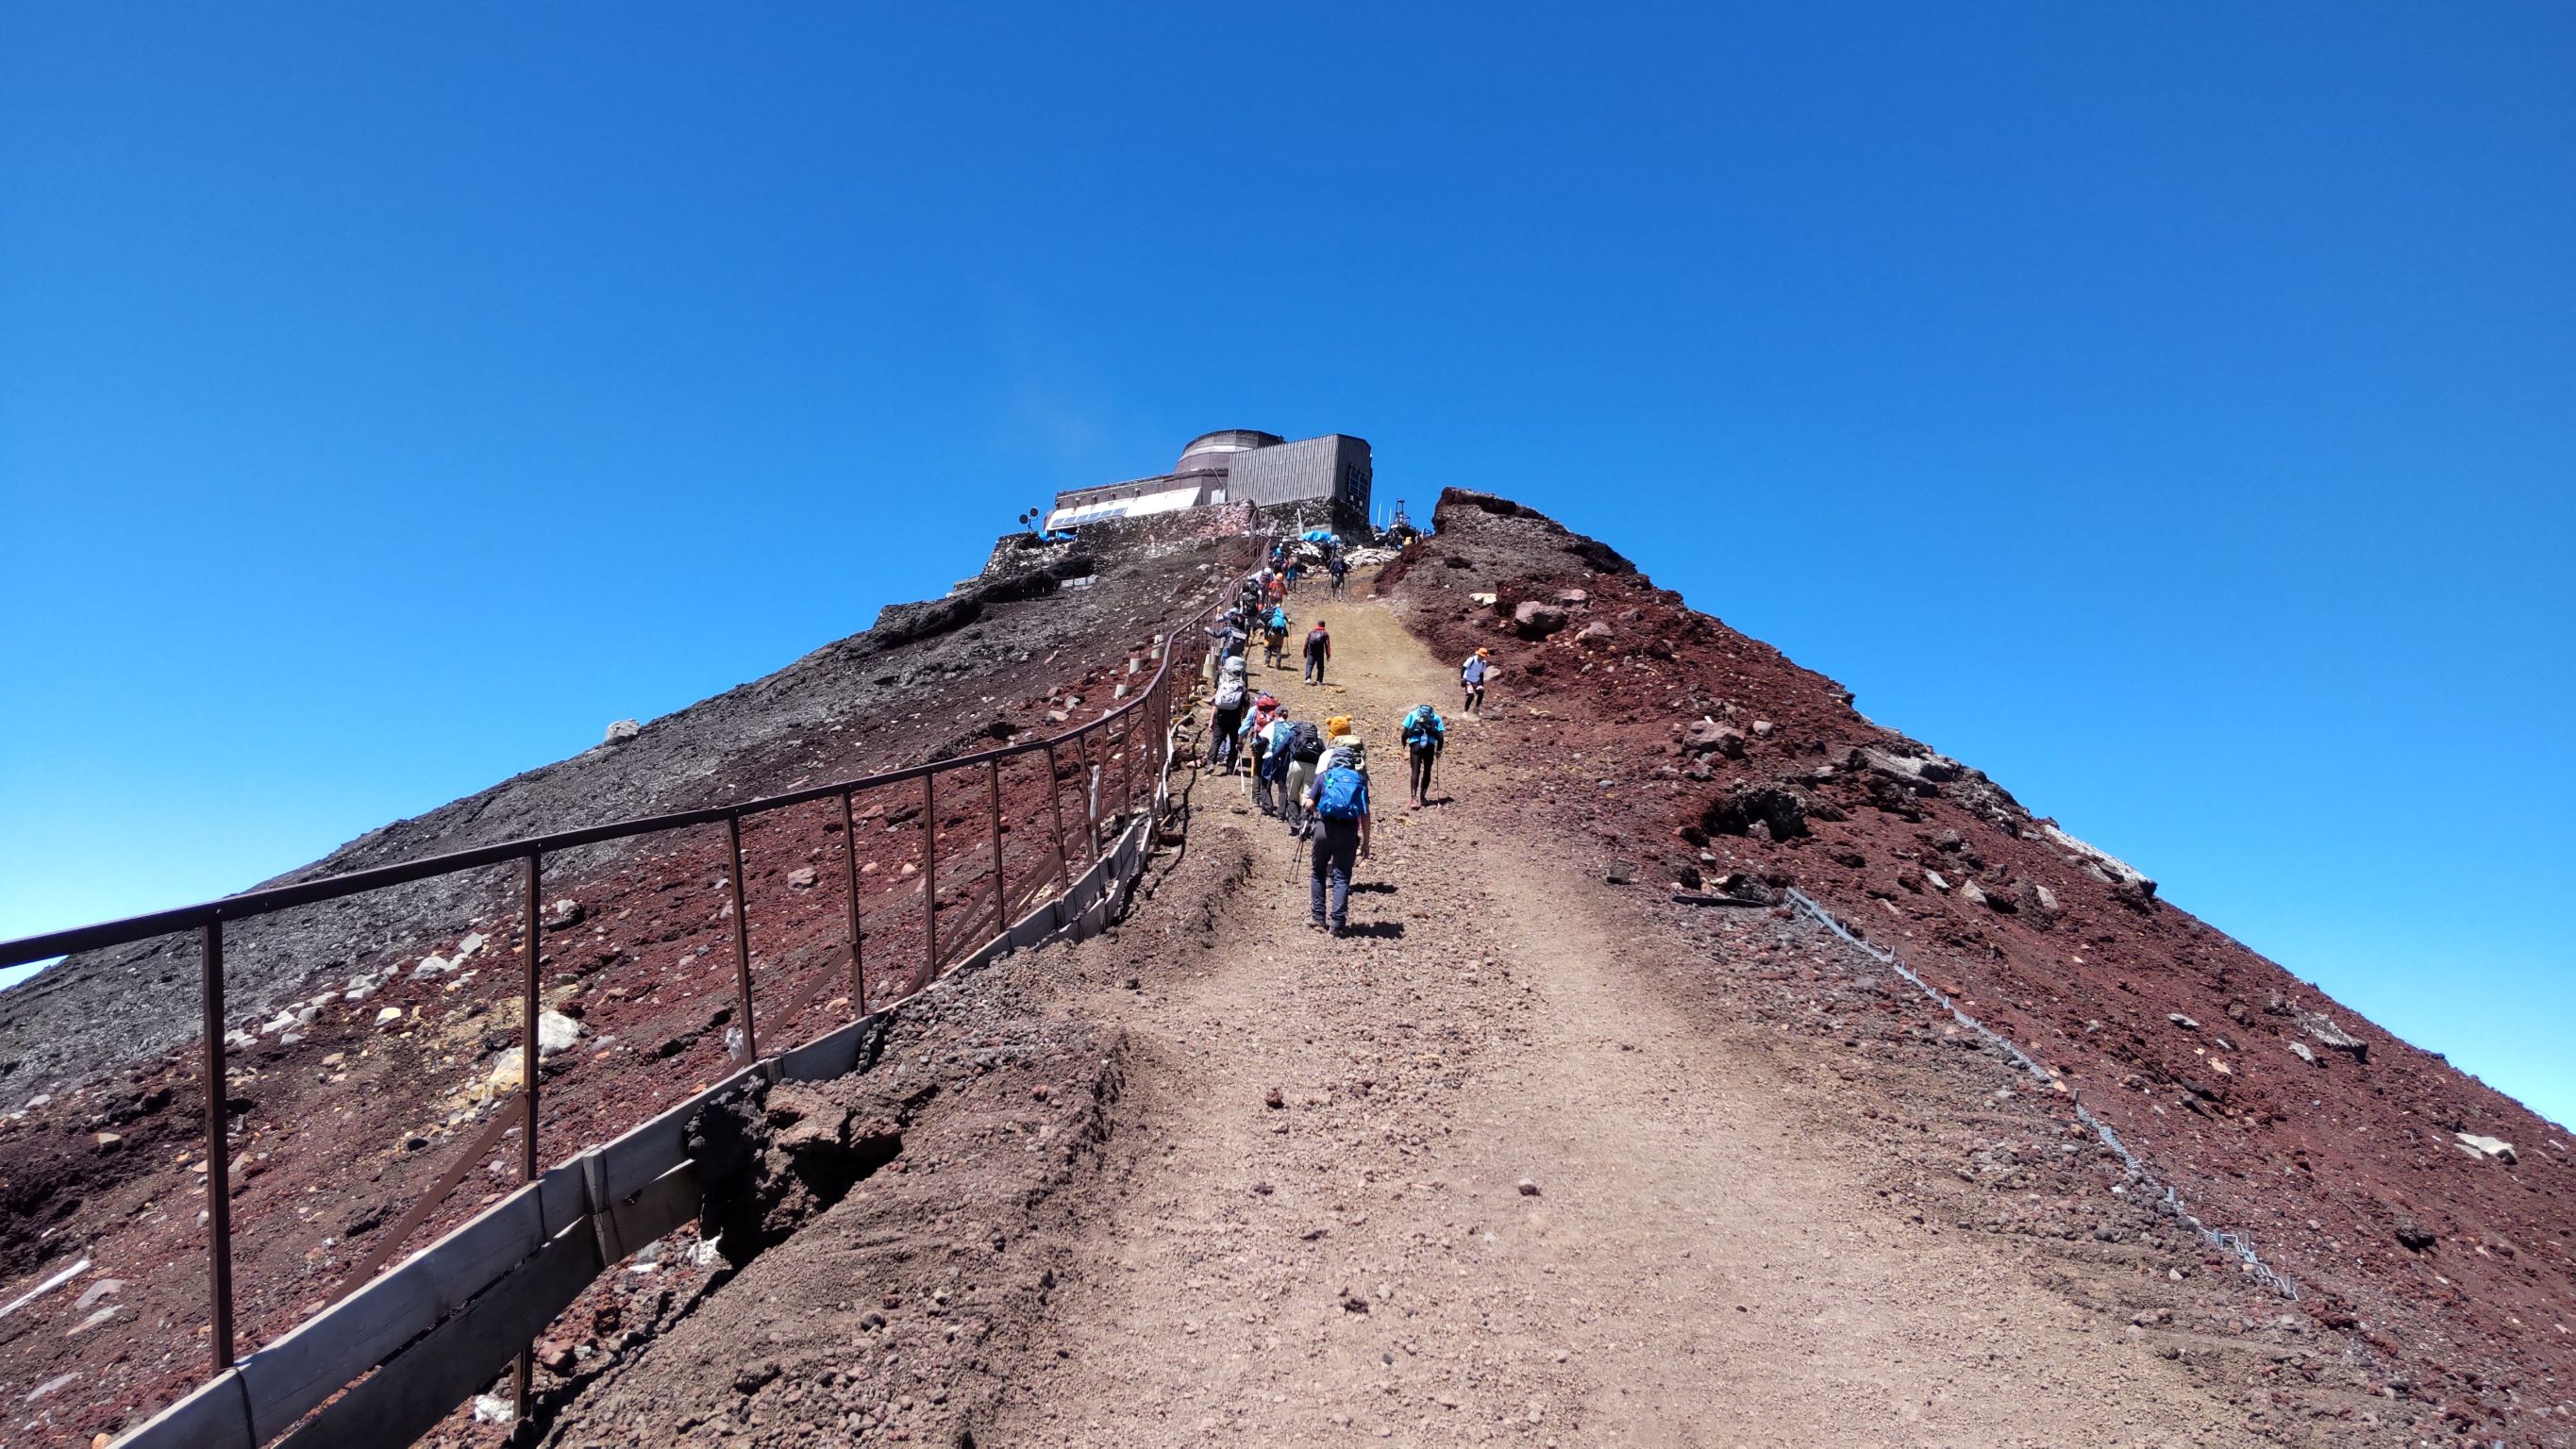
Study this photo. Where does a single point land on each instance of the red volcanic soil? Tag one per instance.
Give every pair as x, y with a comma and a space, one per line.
1691, 754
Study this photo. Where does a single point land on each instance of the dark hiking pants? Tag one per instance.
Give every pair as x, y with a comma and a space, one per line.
1337, 849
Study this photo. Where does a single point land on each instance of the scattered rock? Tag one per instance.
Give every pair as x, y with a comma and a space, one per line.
1528, 1188
619, 732
108, 1141
563, 914
555, 1032
389, 1015
2300, 1050
2414, 1236
2493, 1147
1621, 872
803, 878
2326, 1033
1593, 634
1762, 729
1706, 735
1937, 881
2180, 1020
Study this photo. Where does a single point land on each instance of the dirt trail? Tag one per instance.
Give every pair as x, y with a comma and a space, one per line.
1702, 1261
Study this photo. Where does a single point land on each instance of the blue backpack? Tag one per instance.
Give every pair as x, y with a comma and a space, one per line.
1342, 794
1423, 726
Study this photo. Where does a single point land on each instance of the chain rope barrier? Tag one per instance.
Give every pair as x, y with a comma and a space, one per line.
2236, 1244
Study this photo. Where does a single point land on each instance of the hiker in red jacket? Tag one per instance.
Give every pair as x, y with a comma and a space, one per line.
1319, 648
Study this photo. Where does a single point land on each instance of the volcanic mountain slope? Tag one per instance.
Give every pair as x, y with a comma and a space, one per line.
347, 1104
2416, 1209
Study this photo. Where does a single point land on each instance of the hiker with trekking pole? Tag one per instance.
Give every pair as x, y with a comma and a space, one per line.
1337, 816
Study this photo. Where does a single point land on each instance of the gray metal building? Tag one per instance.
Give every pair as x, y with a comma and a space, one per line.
1237, 465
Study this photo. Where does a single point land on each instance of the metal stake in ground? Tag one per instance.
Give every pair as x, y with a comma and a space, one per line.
523, 1373
219, 1176
741, 945
850, 871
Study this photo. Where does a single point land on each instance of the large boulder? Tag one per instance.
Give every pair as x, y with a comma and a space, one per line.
1770, 812
1706, 735
1534, 620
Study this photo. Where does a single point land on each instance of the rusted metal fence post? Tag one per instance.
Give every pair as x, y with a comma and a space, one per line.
1001, 895
523, 1374
741, 945
850, 869
219, 1176
1091, 794
1127, 757
930, 876
1055, 814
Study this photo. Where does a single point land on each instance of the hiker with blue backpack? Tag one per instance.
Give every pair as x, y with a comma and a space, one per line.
1270, 758
1339, 802
1274, 637
1425, 735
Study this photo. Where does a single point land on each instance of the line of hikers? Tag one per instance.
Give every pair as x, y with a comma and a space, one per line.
1315, 779
1232, 633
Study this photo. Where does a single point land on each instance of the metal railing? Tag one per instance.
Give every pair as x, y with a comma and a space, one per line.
1141, 724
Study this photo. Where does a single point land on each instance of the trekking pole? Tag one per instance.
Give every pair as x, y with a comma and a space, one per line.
1297, 846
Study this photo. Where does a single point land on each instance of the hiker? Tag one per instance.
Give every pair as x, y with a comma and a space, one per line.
1226, 639
1269, 753
1265, 708
1471, 679
1425, 735
1303, 748
1275, 588
1339, 801
1227, 722
1339, 567
1274, 638
1319, 649
1296, 567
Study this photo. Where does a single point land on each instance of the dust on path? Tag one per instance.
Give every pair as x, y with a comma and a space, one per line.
1701, 1263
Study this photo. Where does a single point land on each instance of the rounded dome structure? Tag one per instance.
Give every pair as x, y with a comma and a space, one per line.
1222, 441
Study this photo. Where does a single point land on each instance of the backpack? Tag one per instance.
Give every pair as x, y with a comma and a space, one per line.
1342, 794
1422, 726
1317, 641
1229, 692
1305, 743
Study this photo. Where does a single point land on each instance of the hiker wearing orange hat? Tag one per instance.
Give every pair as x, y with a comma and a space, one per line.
1471, 679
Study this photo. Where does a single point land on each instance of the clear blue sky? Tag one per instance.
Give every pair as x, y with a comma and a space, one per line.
2171, 410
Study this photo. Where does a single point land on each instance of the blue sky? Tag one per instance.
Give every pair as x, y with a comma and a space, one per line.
2171, 411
